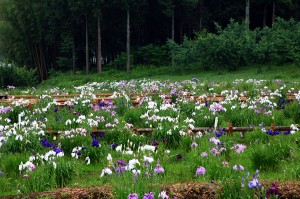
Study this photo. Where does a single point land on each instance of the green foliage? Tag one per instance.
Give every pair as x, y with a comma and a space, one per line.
267, 157
47, 177
133, 116
123, 104
118, 136
64, 60
232, 189
121, 60
76, 141
20, 144
96, 154
12, 75
152, 55
234, 47
10, 164
64, 172
293, 111
13, 114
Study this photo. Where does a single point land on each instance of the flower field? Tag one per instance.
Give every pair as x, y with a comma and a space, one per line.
142, 138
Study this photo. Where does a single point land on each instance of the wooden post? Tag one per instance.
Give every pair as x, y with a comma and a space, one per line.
273, 127
94, 128
230, 129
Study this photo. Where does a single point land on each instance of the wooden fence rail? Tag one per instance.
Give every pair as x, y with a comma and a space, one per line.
135, 99
229, 130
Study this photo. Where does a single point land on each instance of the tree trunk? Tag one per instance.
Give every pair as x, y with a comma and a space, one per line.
173, 24
39, 60
86, 48
99, 53
201, 15
297, 10
265, 16
43, 62
128, 40
173, 34
247, 17
273, 13
181, 31
73, 56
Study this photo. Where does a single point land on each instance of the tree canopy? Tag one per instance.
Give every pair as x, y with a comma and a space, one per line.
47, 34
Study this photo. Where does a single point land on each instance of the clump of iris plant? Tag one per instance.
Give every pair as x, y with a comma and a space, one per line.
159, 169
179, 156
200, 171
240, 167
95, 143
254, 183
148, 196
132, 196
48, 144
163, 195
113, 146
194, 145
273, 191
272, 133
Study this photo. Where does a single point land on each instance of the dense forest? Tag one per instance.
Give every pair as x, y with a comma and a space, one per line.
76, 34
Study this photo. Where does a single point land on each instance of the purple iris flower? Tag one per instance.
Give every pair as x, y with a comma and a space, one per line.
120, 169
133, 196
57, 150
113, 146
179, 156
159, 169
200, 171
95, 142
120, 162
218, 134
273, 191
155, 143
148, 196
254, 183
46, 143
101, 104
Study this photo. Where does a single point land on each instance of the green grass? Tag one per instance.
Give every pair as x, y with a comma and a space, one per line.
285, 72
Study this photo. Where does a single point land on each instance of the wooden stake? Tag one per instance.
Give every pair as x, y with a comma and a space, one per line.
273, 127
230, 129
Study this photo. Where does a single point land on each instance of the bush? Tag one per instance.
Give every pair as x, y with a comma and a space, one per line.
234, 46
16, 76
152, 55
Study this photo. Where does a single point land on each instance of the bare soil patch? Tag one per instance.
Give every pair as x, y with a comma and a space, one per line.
192, 190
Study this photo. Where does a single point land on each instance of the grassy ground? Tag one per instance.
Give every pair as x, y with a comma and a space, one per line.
285, 72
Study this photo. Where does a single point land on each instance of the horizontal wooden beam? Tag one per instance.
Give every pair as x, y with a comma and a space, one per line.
228, 129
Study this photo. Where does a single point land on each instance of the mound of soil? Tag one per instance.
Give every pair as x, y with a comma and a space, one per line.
104, 192
191, 190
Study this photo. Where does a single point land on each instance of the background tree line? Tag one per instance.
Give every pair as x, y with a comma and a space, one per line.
77, 34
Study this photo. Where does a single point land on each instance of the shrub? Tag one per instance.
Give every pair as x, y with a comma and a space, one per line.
234, 46
10, 74
152, 55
